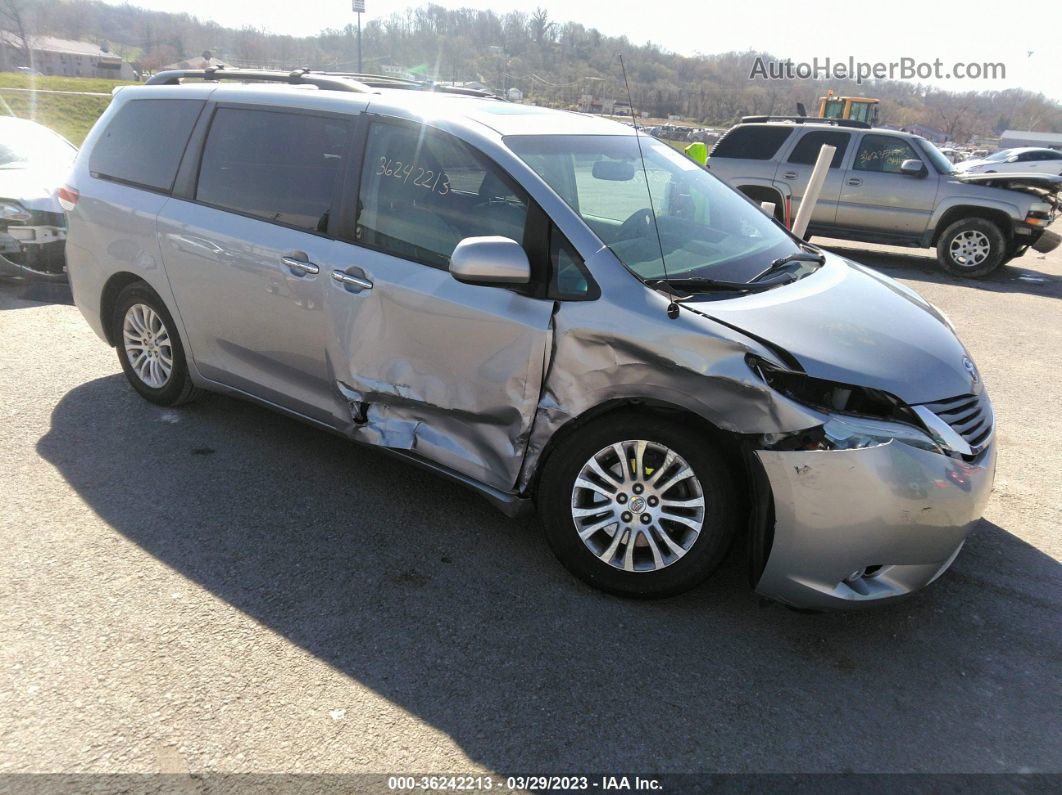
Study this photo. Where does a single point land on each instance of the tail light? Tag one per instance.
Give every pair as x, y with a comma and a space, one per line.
67, 197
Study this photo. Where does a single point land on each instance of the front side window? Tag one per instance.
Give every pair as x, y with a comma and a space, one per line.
883, 153
707, 230
807, 149
424, 191
278, 166
939, 160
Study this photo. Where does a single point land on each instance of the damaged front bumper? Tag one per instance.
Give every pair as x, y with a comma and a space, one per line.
35, 252
853, 527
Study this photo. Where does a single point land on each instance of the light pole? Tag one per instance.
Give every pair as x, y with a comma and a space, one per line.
359, 9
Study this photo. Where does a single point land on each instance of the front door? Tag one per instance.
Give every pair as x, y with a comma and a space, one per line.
451, 372
248, 258
876, 196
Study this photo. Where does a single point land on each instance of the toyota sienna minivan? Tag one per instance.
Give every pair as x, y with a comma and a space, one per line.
545, 306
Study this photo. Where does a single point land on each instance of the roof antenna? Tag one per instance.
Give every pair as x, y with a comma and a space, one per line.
672, 307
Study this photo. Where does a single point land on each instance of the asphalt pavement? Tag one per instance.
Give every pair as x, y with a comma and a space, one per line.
219, 588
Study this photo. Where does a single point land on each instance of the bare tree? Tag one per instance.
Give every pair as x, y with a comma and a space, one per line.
14, 15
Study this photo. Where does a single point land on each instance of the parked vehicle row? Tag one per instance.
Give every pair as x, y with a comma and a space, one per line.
885, 186
488, 290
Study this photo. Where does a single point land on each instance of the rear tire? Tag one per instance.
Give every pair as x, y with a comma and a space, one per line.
149, 347
673, 530
971, 247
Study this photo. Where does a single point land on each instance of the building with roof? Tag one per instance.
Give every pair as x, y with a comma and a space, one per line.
1012, 138
52, 56
204, 61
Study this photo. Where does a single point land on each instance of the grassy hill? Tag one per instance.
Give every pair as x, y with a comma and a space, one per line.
70, 115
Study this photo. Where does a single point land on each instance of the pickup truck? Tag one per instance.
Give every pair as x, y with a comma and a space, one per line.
886, 186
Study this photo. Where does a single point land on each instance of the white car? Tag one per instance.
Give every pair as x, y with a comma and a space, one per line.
1022, 160
33, 162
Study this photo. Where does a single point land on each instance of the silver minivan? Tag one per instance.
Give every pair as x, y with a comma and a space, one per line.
544, 306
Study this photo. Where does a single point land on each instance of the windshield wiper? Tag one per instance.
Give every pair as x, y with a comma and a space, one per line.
712, 285
781, 262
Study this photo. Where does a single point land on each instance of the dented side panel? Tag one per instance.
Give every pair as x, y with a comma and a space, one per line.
623, 346
446, 370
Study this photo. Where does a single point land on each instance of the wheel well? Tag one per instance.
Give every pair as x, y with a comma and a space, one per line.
729, 443
759, 194
998, 217
111, 290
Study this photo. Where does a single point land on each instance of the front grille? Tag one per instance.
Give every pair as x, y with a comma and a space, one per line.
969, 415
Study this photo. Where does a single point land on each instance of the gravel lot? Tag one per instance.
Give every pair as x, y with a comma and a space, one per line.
218, 588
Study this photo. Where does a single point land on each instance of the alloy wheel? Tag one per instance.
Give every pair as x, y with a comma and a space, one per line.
970, 248
638, 506
147, 345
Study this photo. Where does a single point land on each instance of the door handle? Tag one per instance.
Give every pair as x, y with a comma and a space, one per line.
789, 175
300, 265
855, 181
349, 280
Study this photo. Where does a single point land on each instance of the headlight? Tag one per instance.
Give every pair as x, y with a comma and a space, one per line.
10, 211
855, 417
854, 433
851, 433
830, 396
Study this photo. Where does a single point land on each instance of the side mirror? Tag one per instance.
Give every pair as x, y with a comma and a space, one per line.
490, 260
1012, 159
913, 168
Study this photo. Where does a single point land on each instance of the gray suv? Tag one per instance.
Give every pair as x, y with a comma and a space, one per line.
886, 186
487, 290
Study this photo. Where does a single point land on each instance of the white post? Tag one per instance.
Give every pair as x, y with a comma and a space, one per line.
768, 208
812, 191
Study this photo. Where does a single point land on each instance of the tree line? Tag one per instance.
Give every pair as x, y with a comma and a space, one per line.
549, 61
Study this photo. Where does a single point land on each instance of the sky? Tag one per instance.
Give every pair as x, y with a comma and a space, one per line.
1024, 38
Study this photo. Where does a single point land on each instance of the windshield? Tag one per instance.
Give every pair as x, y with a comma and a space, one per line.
23, 144
940, 160
708, 230
999, 156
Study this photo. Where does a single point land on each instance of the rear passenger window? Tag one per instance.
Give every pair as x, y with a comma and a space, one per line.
807, 149
278, 166
752, 142
144, 142
423, 191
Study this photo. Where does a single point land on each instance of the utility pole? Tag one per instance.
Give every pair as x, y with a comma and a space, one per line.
359, 9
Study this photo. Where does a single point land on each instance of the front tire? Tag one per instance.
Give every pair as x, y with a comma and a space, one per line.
149, 347
971, 247
639, 506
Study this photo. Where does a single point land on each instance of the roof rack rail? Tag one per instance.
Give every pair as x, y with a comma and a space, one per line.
862, 125
173, 77
389, 81
333, 81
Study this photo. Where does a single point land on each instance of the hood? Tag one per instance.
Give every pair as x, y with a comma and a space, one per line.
850, 324
1013, 180
33, 188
